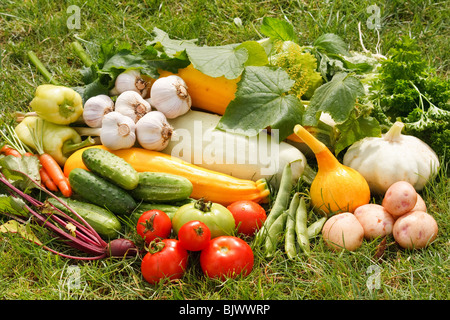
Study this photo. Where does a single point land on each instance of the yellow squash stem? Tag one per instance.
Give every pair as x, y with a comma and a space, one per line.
336, 187
210, 185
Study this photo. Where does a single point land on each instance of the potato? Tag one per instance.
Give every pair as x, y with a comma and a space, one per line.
343, 230
420, 204
399, 198
415, 230
375, 220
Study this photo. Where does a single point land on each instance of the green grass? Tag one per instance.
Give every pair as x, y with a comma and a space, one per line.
28, 272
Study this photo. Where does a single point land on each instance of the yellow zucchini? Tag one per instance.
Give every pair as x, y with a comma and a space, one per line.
210, 185
207, 93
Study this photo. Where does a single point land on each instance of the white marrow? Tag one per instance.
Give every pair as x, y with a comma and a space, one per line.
196, 140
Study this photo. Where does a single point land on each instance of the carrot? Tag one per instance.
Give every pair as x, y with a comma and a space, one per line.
8, 151
47, 181
55, 173
48, 163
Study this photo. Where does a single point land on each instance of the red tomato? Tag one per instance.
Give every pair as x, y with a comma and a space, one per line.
226, 256
194, 235
154, 224
248, 215
166, 259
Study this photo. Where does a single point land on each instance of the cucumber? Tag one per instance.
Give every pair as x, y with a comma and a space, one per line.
111, 167
161, 187
101, 192
101, 220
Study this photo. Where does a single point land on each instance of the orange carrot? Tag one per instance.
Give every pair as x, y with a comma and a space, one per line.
55, 173
48, 163
47, 181
8, 151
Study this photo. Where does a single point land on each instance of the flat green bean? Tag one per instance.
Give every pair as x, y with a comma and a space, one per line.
275, 233
301, 229
315, 227
290, 246
280, 204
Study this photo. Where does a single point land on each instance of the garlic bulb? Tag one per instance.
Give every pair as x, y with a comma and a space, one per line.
170, 96
131, 80
153, 131
131, 104
118, 131
95, 109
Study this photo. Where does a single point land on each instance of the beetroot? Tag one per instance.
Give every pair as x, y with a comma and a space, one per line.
83, 237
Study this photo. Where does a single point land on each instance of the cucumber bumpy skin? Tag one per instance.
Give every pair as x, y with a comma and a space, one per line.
101, 220
111, 167
161, 187
101, 192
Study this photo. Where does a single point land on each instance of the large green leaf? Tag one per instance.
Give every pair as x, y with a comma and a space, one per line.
262, 101
356, 128
278, 29
336, 97
331, 43
219, 61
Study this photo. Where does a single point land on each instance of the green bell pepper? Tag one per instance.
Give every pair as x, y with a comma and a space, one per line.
57, 104
58, 141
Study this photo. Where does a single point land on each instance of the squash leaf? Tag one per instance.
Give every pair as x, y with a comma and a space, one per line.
355, 128
262, 101
336, 97
216, 61
278, 29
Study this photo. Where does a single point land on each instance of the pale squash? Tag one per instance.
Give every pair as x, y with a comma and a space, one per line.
391, 158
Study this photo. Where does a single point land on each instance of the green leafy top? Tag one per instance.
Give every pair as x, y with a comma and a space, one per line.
262, 101
408, 90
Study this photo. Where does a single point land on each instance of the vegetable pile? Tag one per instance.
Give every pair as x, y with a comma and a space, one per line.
263, 145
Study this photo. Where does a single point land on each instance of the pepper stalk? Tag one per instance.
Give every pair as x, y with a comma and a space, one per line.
58, 141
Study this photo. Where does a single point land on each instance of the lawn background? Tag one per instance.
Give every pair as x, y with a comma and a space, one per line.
27, 272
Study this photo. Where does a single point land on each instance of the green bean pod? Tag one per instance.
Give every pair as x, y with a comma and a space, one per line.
280, 204
315, 227
290, 246
275, 233
301, 228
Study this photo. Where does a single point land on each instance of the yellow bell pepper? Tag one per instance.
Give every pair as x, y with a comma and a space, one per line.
57, 104
58, 141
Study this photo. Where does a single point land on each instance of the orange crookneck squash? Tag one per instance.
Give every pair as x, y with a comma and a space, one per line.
336, 187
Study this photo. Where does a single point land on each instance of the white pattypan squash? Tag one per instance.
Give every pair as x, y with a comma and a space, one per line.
392, 157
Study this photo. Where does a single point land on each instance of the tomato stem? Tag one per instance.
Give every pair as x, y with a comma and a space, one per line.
156, 246
203, 205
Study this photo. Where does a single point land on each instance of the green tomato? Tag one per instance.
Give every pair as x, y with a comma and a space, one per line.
218, 218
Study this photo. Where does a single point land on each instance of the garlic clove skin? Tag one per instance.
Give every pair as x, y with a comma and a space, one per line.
95, 108
131, 104
153, 131
117, 131
170, 96
131, 80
